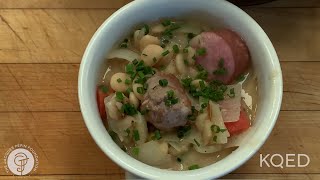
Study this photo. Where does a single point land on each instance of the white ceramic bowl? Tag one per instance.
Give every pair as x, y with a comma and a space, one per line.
212, 12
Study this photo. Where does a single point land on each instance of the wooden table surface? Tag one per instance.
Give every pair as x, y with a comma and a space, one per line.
41, 45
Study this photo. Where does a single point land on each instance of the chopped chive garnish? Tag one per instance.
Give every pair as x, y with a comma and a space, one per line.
104, 88
157, 135
203, 74
183, 131
166, 22
127, 131
119, 80
127, 81
135, 151
128, 109
201, 51
140, 73
186, 62
119, 96
202, 84
179, 159
217, 129
140, 90
175, 48
191, 35
170, 94
154, 59
136, 135
186, 82
193, 167
128, 90
198, 144
165, 53
214, 138
163, 82
204, 105
232, 93
185, 50
123, 45
146, 28
129, 68
135, 62
221, 70
240, 78
144, 54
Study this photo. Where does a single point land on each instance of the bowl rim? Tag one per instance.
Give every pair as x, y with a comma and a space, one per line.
144, 170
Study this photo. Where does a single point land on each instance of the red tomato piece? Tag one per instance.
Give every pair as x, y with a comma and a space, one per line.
239, 126
102, 92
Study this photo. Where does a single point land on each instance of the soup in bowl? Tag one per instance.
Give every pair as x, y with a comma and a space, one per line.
180, 89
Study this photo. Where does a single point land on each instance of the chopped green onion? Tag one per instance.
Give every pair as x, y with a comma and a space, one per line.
202, 84
204, 105
127, 81
157, 134
146, 28
163, 82
128, 90
232, 93
201, 51
135, 62
140, 73
104, 88
128, 109
140, 90
193, 167
154, 59
175, 48
220, 71
186, 82
144, 54
183, 131
119, 96
170, 94
145, 86
240, 78
135, 151
179, 159
214, 138
191, 35
123, 45
165, 53
215, 128
127, 131
203, 74
185, 50
186, 62
119, 80
136, 135
198, 144
166, 22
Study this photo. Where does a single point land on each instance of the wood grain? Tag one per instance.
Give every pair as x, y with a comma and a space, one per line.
53, 87
67, 177
295, 32
60, 36
64, 145
65, 4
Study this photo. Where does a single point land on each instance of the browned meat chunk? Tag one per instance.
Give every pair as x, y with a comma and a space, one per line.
161, 115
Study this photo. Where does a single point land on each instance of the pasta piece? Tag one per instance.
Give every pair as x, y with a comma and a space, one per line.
117, 82
151, 54
135, 87
204, 124
154, 153
133, 100
180, 65
120, 126
141, 126
111, 108
138, 34
171, 68
147, 40
216, 118
157, 29
230, 106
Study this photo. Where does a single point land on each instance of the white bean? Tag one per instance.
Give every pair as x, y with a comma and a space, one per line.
134, 88
181, 67
117, 82
151, 54
148, 39
133, 100
158, 28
